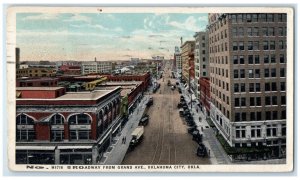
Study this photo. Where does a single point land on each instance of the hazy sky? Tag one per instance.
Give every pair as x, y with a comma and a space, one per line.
105, 36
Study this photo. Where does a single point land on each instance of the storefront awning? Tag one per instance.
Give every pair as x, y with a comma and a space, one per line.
41, 148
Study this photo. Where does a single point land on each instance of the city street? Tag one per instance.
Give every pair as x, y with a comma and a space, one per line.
166, 140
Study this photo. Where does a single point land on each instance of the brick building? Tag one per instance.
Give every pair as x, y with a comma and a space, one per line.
37, 82
247, 54
188, 64
55, 127
205, 95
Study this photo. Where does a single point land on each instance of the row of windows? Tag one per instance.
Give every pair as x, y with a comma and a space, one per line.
256, 31
255, 87
256, 131
254, 45
218, 37
257, 116
256, 101
256, 73
264, 17
256, 59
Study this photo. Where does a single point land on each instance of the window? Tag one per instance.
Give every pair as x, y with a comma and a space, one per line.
268, 100
258, 101
254, 18
274, 86
257, 73
272, 45
283, 130
257, 87
251, 73
274, 100
241, 31
272, 130
266, 45
236, 102
240, 131
282, 86
83, 132
267, 73
281, 58
281, 45
243, 88
268, 115
250, 59
236, 87
283, 114
266, 58
256, 57
263, 17
235, 59
241, 45
267, 86
243, 101
270, 17
271, 31
273, 72
57, 134
234, 46
234, 32
265, 31
255, 31
237, 117
280, 31
249, 31
258, 116
252, 101
25, 128
256, 45
273, 58
251, 87
242, 73
236, 73
283, 100
239, 18
250, 45
242, 61
282, 72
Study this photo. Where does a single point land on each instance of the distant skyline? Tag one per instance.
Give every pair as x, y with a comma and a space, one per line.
112, 36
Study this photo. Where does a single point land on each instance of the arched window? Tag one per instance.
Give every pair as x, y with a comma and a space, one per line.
57, 127
25, 128
80, 127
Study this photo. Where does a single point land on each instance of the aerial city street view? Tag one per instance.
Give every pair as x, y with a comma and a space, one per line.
151, 89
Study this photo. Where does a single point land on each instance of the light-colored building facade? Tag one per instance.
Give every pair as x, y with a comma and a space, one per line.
91, 67
201, 59
247, 55
177, 59
187, 59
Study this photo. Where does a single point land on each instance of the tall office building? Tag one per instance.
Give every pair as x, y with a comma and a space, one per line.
187, 59
177, 59
201, 59
247, 55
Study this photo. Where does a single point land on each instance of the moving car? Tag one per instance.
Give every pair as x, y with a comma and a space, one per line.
144, 121
150, 102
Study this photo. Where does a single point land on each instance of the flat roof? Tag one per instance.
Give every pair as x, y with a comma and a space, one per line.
36, 79
94, 95
120, 83
38, 88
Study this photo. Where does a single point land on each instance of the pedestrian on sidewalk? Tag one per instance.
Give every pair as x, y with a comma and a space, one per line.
125, 140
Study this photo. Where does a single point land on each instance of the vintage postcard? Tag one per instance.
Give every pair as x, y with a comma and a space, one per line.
150, 89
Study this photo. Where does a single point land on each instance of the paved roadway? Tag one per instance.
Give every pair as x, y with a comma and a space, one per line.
166, 140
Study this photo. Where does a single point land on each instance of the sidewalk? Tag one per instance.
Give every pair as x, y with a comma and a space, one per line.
217, 154
118, 150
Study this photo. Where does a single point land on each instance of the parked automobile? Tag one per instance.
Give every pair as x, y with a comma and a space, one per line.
179, 105
197, 136
192, 129
150, 102
201, 150
179, 91
144, 121
181, 113
173, 88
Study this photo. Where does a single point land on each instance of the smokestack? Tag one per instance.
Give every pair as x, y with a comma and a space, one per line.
181, 40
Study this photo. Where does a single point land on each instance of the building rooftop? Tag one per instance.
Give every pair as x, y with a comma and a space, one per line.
94, 95
38, 88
